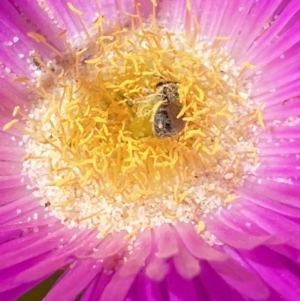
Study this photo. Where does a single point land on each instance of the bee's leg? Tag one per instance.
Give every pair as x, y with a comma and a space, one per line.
131, 102
147, 90
152, 98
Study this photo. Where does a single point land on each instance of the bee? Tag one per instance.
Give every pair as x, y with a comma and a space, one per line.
165, 106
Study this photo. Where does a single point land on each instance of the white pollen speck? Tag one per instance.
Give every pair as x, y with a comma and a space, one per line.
13, 138
145, 45
7, 70
19, 211
228, 176
35, 216
15, 39
21, 55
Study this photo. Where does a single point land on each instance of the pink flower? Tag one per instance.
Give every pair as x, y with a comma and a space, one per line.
150, 151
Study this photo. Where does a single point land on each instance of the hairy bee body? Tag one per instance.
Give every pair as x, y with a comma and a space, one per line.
165, 105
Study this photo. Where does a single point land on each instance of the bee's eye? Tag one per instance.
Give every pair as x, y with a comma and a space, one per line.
159, 84
162, 83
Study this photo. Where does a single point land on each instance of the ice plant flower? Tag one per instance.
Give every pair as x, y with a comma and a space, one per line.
150, 150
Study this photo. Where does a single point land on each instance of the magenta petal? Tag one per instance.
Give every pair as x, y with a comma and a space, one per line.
166, 241
31, 247
252, 27
186, 264
14, 39
139, 255
58, 258
6, 139
279, 192
65, 285
178, 12
27, 239
287, 251
284, 42
122, 284
12, 194
196, 245
13, 181
157, 268
11, 153
280, 227
234, 237
15, 293
89, 292
39, 21
96, 287
282, 275
112, 11
10, 168
12, 211
265, 202
180, 288
146, 289
110, 245
242, 279
289, 11
12, 94
283, 132
211, 280
8, 275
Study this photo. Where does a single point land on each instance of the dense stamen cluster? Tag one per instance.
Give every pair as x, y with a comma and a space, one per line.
94, 159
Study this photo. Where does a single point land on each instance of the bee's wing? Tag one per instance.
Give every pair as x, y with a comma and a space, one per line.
178, 123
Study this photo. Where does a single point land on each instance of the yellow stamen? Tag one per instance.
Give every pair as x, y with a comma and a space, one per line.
79, 15
200, 227
231, 198
10, 124
248, 65
74, 9
222, 38
188, 5
258, 115
41, 39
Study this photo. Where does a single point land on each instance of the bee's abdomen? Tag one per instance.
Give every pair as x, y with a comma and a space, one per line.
166, 123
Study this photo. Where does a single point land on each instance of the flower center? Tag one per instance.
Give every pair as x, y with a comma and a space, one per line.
139, 127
